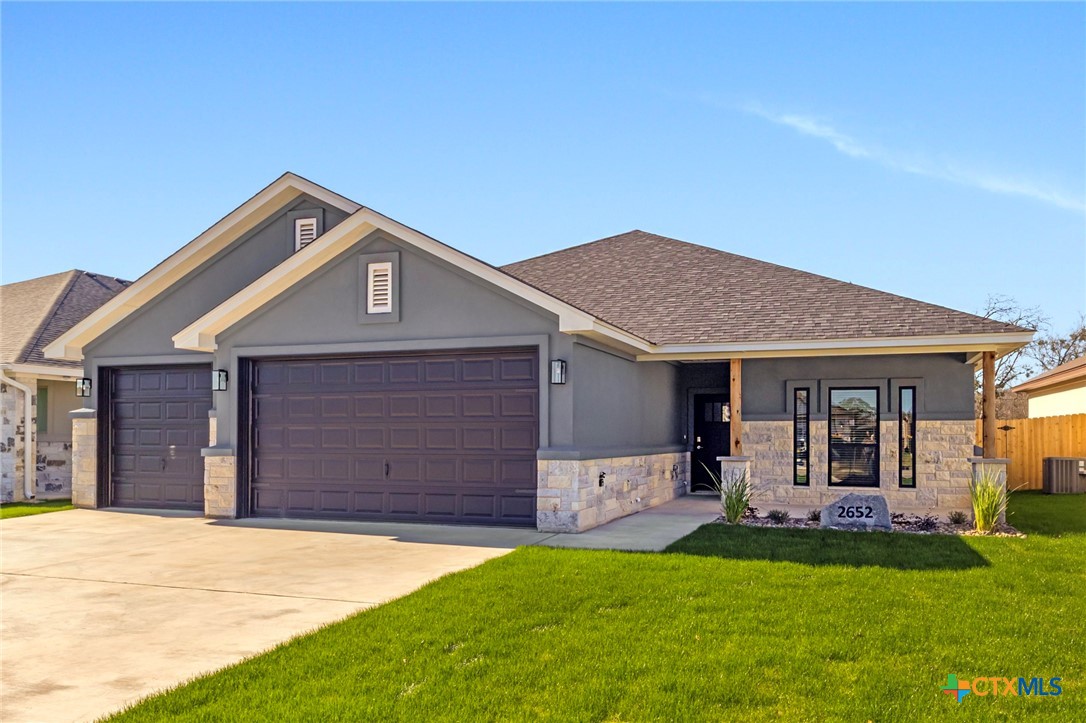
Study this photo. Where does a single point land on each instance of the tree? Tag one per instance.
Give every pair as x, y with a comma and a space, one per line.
1050, 351
1020, 363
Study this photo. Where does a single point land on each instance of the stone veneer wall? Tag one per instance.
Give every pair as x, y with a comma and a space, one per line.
220, 486
11, 446
54, 469
943, 469
220, 479
570, 498
85, 462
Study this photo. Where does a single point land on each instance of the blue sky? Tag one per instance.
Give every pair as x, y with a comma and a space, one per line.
932, 150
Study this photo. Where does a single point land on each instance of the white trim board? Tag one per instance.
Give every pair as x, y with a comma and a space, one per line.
235, 224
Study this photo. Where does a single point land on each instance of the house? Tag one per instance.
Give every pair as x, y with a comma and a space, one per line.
36, 393
307, 356
1060, 390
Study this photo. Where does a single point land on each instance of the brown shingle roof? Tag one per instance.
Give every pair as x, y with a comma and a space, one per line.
1066, 372
672, 292
37, 311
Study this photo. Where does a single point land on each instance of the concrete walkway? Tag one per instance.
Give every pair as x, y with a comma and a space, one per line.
101, 608
650, 530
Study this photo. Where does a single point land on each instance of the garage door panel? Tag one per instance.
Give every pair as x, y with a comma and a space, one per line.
518, 508
440, 470
443, 437
439, 406
158, 425
369, 405
440, 505
517, 439
479, 405
404, 503
336, 438
369, 469
518, 404
479, 506
400, 372
335, 373
369, 503
440, 370
404, 438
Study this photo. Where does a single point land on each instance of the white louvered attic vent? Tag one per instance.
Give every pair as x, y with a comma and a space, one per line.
379, 299
305, 231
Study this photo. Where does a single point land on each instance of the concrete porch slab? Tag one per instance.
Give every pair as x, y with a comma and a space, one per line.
650, 530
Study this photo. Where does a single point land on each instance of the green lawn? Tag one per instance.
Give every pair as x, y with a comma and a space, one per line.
22, 509
729, 624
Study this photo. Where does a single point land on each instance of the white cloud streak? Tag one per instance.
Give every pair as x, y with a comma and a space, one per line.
915, 164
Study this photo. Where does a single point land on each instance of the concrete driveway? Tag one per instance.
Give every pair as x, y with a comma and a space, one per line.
101, 608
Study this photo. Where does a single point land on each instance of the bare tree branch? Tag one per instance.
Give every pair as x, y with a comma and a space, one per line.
1017, 364
1049, 351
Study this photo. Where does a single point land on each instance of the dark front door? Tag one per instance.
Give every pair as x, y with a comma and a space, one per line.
712, 434
158, 425
434, 437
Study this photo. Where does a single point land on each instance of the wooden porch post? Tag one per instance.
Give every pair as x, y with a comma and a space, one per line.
987, 404
735, 391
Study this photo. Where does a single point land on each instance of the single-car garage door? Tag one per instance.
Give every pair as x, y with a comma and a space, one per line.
158, 424
435, 437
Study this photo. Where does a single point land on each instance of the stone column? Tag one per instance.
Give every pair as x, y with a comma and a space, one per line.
732, 468
84, 458
220, 483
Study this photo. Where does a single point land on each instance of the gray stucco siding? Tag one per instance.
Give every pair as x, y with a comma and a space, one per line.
149, 331
440, 308
944, 383
620, 404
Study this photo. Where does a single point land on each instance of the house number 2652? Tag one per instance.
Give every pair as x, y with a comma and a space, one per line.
857, 512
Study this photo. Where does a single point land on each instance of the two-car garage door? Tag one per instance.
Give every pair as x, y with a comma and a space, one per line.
435, 437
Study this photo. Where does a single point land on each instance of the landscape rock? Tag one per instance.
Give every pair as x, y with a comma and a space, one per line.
857, 512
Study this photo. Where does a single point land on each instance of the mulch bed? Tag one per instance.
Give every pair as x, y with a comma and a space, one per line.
913, 524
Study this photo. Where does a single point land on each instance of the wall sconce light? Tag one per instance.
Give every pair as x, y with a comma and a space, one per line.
218, 380
558, 371
83, 387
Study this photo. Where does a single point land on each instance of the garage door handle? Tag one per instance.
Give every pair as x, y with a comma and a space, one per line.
386, 470
163, 461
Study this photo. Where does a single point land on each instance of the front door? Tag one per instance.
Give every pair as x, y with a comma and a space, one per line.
712, 433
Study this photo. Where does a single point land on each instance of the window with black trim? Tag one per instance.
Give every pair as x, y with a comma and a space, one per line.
907, 436
854, 437
801, 436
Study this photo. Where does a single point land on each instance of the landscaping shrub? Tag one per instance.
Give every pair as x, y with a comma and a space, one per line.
735, 494
814, 516
927, 523
957, 517
989, 498
780, 517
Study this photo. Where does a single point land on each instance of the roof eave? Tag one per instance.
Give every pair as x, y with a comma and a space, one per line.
245, 217
202, 334
1001, 344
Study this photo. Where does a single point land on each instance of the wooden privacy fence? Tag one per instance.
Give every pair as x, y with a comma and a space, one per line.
1031, 440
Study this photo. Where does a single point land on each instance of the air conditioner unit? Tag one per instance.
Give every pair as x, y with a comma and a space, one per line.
1064, 475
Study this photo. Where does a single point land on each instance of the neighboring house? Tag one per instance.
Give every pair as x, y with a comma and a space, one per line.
32, 314
1060, 390
363, 370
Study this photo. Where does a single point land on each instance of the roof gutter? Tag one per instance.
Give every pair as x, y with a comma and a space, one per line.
28, 431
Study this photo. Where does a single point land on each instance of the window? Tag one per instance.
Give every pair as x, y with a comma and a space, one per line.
305, 232
801, 438
43, 410
907, 440
379, 284
854, 437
